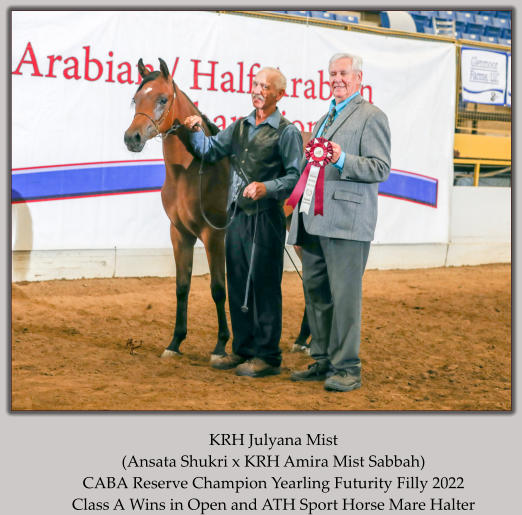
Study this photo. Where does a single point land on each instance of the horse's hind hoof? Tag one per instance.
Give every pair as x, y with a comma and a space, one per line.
170, 354
301, 347
215, 357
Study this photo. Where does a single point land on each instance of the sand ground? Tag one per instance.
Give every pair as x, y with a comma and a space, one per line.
432, 339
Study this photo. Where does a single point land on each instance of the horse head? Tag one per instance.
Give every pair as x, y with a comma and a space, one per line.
154, 112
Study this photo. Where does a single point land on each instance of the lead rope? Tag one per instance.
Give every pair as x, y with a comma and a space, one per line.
172, 130
217, 228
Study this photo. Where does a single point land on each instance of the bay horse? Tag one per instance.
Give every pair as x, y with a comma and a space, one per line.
160, 108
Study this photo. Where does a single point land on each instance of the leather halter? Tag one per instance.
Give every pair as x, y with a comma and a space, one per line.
157, 123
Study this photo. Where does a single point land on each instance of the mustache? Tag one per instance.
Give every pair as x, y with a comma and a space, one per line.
257, 97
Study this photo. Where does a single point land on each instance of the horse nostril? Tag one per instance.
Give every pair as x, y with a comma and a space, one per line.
137, 137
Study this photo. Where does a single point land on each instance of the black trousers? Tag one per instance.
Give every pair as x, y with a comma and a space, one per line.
256, 334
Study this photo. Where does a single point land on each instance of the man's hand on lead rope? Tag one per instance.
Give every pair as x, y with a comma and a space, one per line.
193, 123
255, 191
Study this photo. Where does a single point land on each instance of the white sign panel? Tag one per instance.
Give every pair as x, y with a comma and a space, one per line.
508, 89
76, 186
483, 76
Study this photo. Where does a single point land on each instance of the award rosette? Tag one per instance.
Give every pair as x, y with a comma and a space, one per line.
318, 153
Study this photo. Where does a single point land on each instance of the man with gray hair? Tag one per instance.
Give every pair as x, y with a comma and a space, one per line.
265, 151
335, 245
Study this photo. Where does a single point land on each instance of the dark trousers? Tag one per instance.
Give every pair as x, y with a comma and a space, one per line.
257, 332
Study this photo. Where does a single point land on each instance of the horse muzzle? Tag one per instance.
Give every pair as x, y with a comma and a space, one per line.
134, 140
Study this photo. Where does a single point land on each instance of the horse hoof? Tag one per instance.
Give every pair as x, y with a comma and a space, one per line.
215, 357
299, 347
170, 354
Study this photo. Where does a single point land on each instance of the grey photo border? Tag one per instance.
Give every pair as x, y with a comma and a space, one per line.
165, 5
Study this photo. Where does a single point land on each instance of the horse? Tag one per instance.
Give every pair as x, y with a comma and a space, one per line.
159, 107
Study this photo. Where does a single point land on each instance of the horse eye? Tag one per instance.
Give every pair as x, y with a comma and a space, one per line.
162, 100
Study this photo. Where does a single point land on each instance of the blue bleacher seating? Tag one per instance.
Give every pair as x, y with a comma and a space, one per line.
471, 37
504, 14
503, 41
429, 30
325, 15
493, 31
460, 26
483, 20
502, 23
489, 39
298, 13
475, 28
421, 20
465, 16
446, 15
488, 13
347, 19
506, 33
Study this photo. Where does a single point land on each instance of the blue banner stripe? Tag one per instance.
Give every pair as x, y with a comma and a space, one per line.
410, 187
77, 182
103, 180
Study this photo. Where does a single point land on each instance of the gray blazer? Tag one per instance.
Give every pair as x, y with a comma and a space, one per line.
350, 196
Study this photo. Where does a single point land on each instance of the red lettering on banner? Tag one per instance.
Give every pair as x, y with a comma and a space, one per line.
251, 75
109, 64
32, 60
174, 67
92, 69
75, 69
369, 97
52, 59
127, 72
240, 89
230, 81
310, 91
295, 82
197, 73
88, 62
311, 126
220, 121
322, 82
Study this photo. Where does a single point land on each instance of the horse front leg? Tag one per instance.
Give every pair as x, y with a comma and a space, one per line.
183, 245
215, 248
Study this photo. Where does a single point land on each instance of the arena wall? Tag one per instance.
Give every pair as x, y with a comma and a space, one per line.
480, 232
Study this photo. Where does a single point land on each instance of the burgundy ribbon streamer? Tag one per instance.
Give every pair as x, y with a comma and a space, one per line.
319, 153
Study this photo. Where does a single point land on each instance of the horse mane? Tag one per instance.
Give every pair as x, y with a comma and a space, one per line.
212, 127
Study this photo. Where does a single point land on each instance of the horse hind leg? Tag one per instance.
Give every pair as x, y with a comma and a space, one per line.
300, 344
215, 249
183, 245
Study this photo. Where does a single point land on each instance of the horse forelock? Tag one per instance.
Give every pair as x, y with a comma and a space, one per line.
150, 76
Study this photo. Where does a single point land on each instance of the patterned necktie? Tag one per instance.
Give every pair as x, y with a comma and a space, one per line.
329, 121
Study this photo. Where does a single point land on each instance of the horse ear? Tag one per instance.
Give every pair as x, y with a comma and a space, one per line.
142, 68
164, 68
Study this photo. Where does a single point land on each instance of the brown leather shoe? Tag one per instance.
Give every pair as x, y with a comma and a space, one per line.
227, 362
257, 367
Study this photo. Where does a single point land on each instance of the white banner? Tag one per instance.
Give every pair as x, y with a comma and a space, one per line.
483, 76
75, 184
